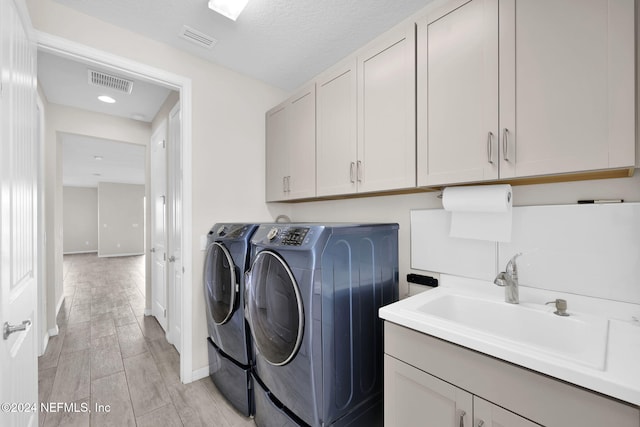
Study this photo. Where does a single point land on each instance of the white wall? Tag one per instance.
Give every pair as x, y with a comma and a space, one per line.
397, 208
80, 219
227, 132
121, 219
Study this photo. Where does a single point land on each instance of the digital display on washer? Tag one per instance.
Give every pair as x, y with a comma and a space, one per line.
295, 236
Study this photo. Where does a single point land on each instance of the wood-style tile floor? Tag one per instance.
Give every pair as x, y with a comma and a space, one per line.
109, 353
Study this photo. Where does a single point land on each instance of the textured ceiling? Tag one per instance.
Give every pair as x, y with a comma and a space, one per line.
281, 42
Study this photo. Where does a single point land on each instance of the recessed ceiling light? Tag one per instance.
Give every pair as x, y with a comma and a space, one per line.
97, 157
229, 8
97, 174
107, 99
138, 116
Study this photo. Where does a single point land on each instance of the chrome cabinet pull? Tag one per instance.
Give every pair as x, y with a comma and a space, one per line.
505, 144
351, 170
284, 184
462, 414
359, 168
481, 423
490, 148
10, 329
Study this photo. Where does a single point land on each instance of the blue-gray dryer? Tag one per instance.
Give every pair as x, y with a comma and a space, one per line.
313, 294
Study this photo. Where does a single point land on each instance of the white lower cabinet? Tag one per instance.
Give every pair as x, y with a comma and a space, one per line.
434, 383
415, 398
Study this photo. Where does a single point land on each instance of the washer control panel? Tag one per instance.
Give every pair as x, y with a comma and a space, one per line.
287, 236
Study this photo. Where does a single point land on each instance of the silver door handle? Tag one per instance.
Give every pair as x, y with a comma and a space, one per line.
172, 258
505, 144
9, 329
359, 170
490, 147
481, 423
351, 169
462, 414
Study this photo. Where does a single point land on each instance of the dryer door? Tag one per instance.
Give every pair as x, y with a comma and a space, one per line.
274, 308
220, 283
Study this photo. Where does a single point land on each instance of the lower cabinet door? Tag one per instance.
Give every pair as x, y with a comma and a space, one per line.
486, 414
414, 398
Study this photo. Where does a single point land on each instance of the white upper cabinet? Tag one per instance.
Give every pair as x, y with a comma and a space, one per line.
567, 86
336, 121
290, 148
522, 88
458, 98
386, 113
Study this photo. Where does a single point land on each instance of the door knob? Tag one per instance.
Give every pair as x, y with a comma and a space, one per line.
172, 259
9, 329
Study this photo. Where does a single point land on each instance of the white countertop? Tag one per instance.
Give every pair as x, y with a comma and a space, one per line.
619, 376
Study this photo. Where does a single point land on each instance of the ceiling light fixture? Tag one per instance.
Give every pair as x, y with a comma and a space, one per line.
229, 8
107, 99
97, 157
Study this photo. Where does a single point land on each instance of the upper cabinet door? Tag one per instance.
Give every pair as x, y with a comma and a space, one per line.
291, 148
567, 86
301, 139
277, 163
336, 121
458, 94
386, 110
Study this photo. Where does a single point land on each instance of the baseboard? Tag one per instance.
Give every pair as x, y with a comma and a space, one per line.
59, 305
53, 332
200, 373
147, 312
94, 251
118, 255
45, 342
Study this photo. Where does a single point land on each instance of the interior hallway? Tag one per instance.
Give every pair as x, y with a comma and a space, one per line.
109, 353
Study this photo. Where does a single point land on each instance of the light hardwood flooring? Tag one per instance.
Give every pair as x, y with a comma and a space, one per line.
108, 353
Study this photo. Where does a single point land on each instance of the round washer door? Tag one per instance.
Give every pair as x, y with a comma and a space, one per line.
220, 283
274, 308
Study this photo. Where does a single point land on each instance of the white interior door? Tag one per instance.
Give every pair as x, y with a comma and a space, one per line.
176, 268
18, 217
158, 225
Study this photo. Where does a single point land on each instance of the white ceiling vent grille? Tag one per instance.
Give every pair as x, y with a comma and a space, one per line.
195, 36
98, 78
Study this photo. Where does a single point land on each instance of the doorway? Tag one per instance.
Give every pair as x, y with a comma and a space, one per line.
182, 85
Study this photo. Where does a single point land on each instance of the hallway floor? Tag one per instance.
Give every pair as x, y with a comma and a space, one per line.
108, 353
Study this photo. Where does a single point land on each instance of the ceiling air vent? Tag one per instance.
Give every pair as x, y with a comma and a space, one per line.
195, 36
98, 78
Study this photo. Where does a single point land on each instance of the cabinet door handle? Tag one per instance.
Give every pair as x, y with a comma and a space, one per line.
505, 144
462, 414
289, 184
481, 423
359, 169
352, 167
490, 147
284, 184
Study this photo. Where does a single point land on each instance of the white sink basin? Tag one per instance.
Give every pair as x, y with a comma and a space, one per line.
578, 338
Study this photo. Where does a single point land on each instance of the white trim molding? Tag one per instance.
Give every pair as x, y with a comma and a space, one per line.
105, 60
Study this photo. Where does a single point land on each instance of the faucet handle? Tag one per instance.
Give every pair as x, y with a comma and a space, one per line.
561, 307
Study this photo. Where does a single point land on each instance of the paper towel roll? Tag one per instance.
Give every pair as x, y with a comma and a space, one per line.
479, 212
482, 198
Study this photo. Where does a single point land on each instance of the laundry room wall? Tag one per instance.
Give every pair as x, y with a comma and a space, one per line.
80, 219
397, 208
228, 134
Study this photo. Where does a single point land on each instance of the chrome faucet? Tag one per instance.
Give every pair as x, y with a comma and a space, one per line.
509, 279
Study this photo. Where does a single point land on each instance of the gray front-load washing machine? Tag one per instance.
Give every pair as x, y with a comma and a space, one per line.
313, 294
229, 345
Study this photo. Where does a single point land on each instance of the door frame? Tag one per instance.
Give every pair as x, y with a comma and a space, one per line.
88, 55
